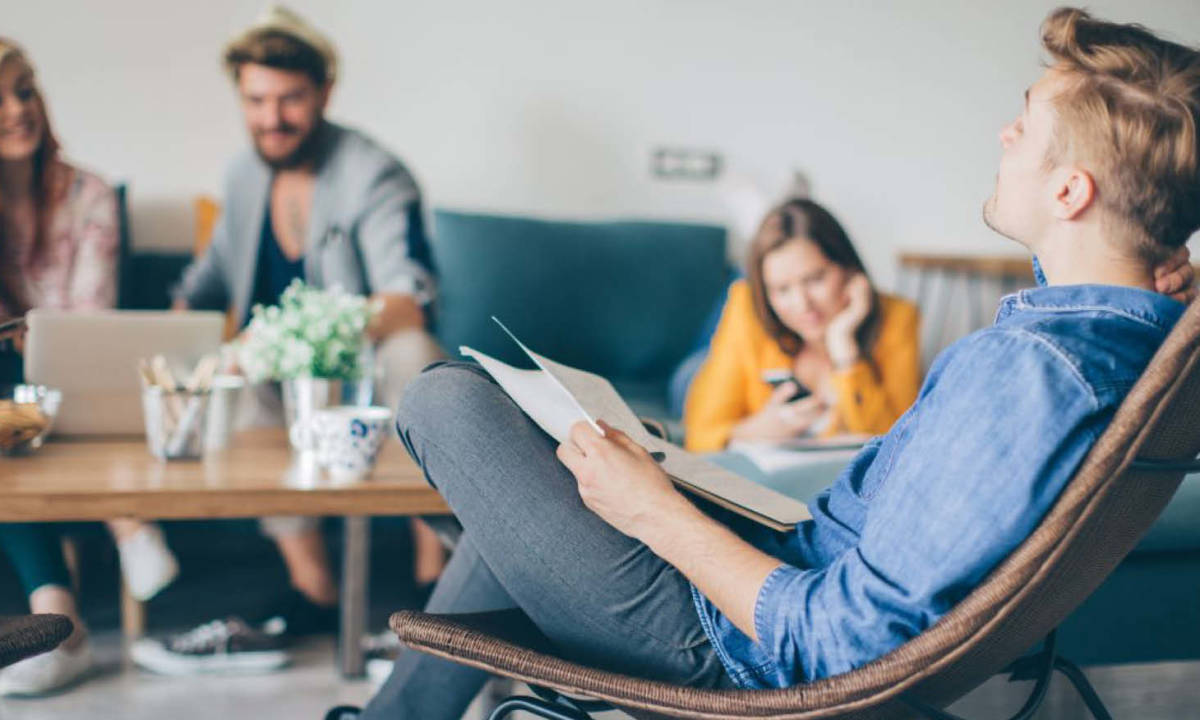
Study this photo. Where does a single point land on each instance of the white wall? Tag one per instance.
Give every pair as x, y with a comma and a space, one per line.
552, 106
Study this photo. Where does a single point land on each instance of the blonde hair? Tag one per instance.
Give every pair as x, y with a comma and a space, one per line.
1130, 113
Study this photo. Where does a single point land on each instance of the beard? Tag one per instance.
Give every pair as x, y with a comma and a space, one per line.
302, 155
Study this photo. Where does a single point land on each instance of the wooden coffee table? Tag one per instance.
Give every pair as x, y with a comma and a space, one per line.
256, 476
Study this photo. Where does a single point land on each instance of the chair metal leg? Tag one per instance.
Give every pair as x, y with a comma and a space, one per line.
537, 706
1083, 686
586, 707
1038, 667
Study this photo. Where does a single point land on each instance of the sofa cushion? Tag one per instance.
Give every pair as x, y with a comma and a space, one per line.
1178, 528
622, 299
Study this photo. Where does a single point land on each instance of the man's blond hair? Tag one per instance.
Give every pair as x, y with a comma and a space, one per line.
281, 39
1129, 115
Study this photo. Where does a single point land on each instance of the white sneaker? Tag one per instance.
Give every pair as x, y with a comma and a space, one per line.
47, 672
147, 564
381, 651
218, 647
379, 670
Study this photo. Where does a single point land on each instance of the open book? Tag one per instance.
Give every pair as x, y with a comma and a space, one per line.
556, 397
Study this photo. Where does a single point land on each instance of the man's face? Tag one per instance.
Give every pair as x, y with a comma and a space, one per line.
1020, 207
283, 109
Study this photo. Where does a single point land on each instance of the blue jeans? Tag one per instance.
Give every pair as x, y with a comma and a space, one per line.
528, 542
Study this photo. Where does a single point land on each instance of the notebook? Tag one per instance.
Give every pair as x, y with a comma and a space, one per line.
557, 396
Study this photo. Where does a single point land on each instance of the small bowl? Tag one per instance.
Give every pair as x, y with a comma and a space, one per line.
26, 417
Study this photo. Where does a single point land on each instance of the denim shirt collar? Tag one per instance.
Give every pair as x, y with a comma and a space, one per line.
1142, 305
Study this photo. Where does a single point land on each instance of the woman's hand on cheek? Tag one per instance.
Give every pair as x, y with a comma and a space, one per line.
840, 338
618, 480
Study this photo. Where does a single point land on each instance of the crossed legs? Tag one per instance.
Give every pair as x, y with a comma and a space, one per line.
529, 542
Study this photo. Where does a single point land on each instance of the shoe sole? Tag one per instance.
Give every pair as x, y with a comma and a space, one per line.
80, 676
151, 655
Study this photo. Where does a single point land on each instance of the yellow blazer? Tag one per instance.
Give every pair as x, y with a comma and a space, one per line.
729, 386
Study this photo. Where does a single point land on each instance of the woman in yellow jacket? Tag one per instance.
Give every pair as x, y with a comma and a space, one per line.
806, 310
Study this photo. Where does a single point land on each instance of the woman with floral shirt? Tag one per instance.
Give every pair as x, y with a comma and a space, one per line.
58, 249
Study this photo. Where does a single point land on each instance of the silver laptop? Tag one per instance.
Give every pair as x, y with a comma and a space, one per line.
92, 358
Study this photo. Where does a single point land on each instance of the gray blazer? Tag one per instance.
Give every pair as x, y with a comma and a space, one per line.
366, 232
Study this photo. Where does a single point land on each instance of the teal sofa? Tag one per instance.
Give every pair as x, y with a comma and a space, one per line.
624, 299
1149, 608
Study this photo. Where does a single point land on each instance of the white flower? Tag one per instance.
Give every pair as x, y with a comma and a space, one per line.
312, 332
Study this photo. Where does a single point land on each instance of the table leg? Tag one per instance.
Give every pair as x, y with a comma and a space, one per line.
356, 550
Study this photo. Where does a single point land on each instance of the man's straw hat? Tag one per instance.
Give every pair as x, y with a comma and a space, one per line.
279, 19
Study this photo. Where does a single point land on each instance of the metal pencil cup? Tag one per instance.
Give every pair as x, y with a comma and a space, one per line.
175, 422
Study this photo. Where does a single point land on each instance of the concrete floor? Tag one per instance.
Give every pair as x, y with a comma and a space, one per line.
1160, 691
308, 688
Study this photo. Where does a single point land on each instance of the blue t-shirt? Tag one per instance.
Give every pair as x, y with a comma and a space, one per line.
275, 270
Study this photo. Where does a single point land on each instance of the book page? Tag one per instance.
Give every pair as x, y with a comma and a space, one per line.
558, 396
713, 480
546, 402
599, 398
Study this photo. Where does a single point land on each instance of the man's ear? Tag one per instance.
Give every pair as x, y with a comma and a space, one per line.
325, 90
1075, 194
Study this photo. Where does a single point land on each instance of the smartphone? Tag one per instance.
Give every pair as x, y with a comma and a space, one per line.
775, 378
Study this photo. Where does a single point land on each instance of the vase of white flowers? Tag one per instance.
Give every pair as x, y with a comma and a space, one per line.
314, 344
302, 397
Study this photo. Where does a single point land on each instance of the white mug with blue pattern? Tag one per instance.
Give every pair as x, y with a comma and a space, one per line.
348, 437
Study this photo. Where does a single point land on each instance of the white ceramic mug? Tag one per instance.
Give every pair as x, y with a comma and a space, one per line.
347, 438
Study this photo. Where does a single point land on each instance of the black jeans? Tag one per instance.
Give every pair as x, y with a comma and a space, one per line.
603, 598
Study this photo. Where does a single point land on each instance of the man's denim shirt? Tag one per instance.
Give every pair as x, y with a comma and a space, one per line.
923, 513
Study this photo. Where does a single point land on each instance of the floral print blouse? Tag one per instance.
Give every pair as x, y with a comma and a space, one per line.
78, 269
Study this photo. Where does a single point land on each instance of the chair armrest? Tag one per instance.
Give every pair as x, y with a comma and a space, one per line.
463, 640
27, 635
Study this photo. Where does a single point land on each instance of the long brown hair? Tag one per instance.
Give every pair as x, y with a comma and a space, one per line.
47, 190
803, 219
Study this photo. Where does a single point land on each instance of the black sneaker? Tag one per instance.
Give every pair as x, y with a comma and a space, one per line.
219, 646
343, 712
302, 617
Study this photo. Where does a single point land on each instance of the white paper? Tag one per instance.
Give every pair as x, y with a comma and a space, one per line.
543, 363
545, 401
557, 396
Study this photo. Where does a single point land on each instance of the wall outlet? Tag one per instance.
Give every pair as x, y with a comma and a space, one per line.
673, 163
